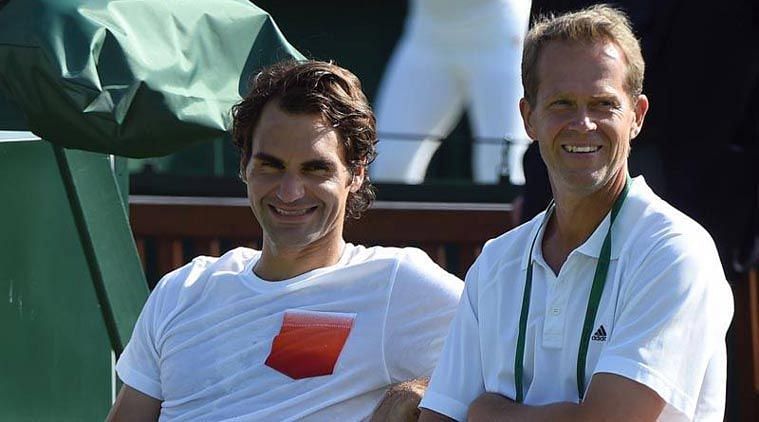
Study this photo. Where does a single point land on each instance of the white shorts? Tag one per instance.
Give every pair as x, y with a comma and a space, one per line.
426, 87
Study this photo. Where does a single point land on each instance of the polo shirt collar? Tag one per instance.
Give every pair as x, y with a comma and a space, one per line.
592, 246
538, 230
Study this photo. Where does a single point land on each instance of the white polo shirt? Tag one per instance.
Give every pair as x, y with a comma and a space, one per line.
661, 321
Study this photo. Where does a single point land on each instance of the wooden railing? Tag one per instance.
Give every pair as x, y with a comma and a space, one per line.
169, 231
743, 349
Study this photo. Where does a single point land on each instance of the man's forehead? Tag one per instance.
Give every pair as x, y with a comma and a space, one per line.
283, 134
273, 115
566, 63
603, 48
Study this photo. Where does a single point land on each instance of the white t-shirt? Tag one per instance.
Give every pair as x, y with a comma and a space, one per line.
661, 321
203, 338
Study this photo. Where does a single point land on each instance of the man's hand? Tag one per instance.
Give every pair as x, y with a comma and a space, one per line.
487, 405
401, 402
610, 398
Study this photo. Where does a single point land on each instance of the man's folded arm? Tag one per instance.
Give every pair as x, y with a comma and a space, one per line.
610, 397
457, 379
428, 415
401, 401
133, 405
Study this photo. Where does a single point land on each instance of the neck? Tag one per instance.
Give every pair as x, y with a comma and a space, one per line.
575, 218
282, 263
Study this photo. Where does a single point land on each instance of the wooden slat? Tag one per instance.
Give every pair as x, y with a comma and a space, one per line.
169, 254
436, 251
209, 246
468, 252
214, 247
753, 311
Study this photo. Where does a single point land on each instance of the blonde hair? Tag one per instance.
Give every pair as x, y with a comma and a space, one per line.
596, 23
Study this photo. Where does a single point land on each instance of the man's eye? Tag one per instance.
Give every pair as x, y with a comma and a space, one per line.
319, 170
607, 104
269, 166
560, 103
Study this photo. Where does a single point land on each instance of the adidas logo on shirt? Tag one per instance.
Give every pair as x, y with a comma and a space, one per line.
600, 334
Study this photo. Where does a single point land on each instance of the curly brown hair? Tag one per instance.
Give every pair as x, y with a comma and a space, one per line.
312, 86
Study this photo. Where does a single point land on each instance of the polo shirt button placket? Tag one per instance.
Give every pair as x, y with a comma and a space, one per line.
553, 330
553, 333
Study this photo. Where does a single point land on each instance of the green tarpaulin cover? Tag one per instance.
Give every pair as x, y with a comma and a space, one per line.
137, 78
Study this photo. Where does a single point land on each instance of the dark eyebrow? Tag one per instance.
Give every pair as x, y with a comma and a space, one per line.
318, 164
270, 159
560, 96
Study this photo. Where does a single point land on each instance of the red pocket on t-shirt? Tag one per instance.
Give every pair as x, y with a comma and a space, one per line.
309, 342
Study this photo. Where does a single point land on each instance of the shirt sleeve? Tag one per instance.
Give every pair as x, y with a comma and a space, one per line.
671, 328
457, 379
422, 303
139, 364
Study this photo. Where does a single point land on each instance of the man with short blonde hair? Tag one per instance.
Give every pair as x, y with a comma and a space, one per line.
611, 304
589, 25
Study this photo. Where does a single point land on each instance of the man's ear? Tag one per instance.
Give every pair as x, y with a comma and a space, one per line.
243, 174
526, 111
358, 178
641, 108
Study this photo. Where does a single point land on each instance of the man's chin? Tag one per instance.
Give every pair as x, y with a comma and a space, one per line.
293, 239
585, 181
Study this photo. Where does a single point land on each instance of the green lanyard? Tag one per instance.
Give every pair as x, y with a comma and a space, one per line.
599, 279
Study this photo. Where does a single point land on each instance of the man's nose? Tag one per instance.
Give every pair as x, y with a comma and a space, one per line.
290, 188
582, 121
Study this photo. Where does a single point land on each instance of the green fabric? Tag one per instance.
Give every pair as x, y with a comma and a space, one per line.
11, 118
138, 78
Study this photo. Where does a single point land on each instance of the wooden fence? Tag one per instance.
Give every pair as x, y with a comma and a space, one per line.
169, 231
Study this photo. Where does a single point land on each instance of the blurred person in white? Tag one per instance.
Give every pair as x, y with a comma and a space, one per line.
309, 327
454, 55
611, 305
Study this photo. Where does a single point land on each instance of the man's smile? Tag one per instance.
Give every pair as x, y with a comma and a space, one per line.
292, 212
578, 149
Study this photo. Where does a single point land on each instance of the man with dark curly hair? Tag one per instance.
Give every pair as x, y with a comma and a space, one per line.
310, 327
